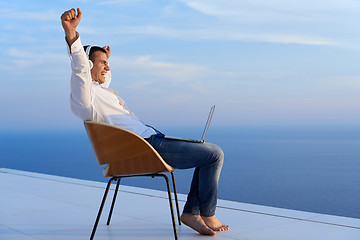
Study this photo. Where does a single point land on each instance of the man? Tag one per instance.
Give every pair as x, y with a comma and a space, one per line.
91, 99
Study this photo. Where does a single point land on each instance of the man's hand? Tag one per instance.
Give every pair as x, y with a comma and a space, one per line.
108, 51
70, 20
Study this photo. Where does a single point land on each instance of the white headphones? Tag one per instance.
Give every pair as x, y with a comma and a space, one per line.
87, 51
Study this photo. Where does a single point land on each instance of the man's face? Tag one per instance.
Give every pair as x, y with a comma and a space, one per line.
100, 67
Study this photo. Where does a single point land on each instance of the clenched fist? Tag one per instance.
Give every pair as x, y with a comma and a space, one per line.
70, 20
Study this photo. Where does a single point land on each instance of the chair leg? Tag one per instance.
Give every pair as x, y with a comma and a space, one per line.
113, 201
176, 198
170, 202
101, 208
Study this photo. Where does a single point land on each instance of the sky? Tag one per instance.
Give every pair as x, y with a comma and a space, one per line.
262, 62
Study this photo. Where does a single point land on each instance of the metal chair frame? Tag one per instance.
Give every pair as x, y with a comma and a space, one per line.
116, 192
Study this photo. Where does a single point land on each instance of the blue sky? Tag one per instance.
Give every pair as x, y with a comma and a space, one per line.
262, 62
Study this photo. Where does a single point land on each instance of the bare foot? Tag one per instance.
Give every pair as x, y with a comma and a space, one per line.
196, 223
215, 224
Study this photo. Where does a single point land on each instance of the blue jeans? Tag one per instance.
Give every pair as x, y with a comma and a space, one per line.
207, 158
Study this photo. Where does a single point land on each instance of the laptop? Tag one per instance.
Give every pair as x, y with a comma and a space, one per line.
206, 129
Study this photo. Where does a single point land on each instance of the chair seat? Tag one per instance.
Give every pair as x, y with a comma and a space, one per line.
125, 152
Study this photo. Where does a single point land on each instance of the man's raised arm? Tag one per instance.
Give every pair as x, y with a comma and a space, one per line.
81, 80
70, 20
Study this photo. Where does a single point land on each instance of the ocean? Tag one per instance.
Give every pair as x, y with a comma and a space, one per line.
314, 169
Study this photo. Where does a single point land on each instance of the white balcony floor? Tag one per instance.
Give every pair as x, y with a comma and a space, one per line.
40, 206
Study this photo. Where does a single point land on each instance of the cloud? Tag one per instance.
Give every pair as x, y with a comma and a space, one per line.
142, 84
280, 10
27, 62
239, 22
176, 81
43, 15
160, 70
279, 21
217, 33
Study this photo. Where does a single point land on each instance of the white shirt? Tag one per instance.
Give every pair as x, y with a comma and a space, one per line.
93, 101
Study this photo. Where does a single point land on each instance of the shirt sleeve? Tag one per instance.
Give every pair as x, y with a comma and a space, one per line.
81, 82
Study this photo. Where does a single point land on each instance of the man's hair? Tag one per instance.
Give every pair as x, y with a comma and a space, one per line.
93, 50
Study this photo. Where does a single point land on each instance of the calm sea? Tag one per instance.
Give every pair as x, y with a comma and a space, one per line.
314, 169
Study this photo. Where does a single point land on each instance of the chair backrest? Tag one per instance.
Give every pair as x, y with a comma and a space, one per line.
125, 152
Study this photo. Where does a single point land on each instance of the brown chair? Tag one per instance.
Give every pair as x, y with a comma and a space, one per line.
126, 155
